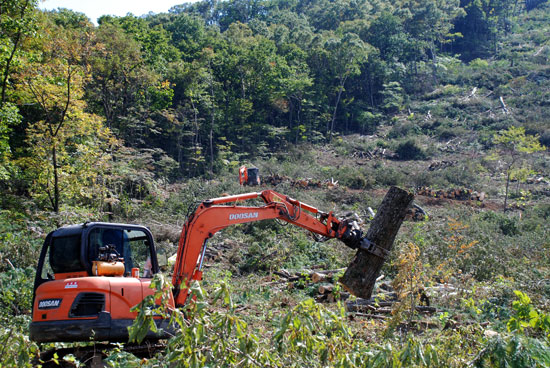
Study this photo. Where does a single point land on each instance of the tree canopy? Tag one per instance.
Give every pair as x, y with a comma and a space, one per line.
213, 82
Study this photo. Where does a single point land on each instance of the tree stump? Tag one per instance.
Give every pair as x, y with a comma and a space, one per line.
363, 270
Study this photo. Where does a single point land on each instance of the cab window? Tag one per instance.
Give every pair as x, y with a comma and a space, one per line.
140, 247
64, 254
132, 245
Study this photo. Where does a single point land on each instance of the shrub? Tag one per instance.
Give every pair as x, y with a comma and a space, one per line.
16, 292
409, 150
465, 175
479, 64
20, 239
403, 130
369, 122
545, 138
388, 175
507, 225
393, 97
519, 349
214, 333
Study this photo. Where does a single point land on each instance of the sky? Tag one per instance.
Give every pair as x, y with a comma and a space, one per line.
96, 8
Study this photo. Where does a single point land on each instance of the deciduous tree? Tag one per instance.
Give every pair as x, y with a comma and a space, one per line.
67, 147
512, 145
17, 22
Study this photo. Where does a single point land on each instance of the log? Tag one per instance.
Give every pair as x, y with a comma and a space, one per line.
320, 277
283, 273
326, 289
333, 297
331, 272
368, 315
361, 274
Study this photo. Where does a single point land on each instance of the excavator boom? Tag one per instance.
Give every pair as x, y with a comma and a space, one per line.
216, 214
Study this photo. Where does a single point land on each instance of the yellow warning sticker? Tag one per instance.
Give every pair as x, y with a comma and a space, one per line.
276, 198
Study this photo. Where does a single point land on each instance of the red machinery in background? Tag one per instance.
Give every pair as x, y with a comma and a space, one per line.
249, 176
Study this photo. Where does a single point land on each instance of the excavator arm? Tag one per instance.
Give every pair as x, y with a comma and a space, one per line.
216, 214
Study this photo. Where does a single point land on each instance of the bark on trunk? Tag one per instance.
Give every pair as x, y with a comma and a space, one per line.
362, 272
55, 202
506, 193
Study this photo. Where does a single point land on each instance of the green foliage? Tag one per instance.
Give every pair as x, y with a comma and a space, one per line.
519, 350
18, 244
514, 141
508, 225
200, 90
409, 150
351, 177
393, 97
9, 117
479, 64
213, 80
149, 307
18, 23
516, 351
16, 349
385, 175
213, 333
16, 288
369, 121
404, 129
525, 315
512, 146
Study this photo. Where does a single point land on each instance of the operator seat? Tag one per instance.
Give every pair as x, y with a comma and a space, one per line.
119, 239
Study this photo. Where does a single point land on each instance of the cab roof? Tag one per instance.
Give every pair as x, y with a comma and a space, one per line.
72, 230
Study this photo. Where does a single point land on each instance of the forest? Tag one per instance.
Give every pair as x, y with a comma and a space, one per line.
135, 119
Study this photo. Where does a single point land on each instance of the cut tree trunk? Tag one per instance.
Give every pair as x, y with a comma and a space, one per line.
363, 270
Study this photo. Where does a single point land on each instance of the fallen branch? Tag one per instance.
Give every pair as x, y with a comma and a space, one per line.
373, 316
384, 307
503, 105
11, 264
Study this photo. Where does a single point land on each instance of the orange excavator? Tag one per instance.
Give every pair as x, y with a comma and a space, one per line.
249, 176
89, 276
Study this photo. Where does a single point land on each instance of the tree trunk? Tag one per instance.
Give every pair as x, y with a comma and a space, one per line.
212, 121
434, 64
55, 181
340, 90
507, 186
7, 70
362, 272
211, 144
12, 54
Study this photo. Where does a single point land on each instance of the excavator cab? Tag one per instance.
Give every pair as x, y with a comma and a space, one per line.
249, 176
88, 277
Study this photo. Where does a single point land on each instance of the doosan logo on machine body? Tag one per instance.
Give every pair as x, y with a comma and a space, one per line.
49, 303
243, 216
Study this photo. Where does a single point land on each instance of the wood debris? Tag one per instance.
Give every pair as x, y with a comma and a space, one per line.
307, 183
376, 153
503, 105
415, 213
440, 165
460, 194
